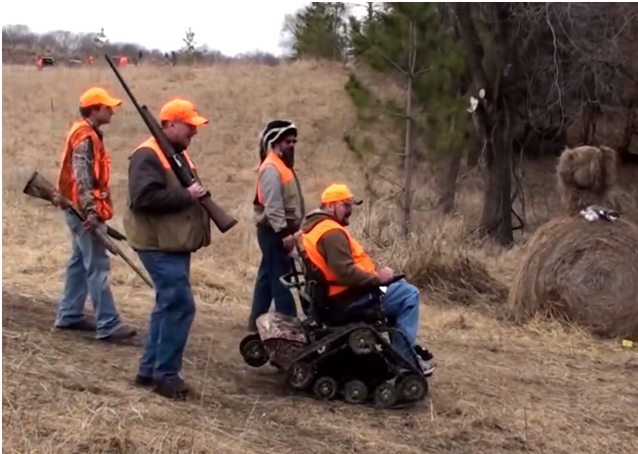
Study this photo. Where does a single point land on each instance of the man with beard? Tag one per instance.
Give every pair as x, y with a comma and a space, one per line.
165, 224
351, 273
279, 210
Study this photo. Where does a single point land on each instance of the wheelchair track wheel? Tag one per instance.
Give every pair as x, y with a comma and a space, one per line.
362, 341
385, 395
253, 351
300, 375
355, 392
325, 388
412, 388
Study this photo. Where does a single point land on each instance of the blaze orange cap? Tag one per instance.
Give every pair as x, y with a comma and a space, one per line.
97, 96
338, 193
182, 110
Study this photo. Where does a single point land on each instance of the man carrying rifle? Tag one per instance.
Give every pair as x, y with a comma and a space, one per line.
84, 180
165, 223
279, 210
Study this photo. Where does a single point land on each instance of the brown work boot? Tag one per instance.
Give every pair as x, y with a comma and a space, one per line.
88, 323
171, 387
122, 332
144, 380
251, 326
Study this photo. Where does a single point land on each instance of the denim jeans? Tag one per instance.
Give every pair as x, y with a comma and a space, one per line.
401, 307
87, 273
275, 262
172, 315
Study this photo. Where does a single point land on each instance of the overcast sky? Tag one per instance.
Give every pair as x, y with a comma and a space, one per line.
232, 27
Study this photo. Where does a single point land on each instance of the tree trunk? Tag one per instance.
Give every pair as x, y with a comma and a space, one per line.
447, 183
486, 60
407, 161
496, 220
628, 134
473, 156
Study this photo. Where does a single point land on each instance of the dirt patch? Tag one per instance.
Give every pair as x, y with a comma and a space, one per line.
246, 410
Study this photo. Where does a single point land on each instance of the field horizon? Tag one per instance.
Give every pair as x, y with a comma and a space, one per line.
499, 387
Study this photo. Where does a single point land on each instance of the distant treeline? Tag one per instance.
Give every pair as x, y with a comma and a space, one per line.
20, 45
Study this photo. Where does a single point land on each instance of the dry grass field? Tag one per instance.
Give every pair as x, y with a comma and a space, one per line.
499, 388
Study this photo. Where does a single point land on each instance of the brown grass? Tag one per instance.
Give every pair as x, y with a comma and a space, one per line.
541, 388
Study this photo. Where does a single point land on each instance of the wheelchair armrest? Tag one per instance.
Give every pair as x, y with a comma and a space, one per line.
291, 280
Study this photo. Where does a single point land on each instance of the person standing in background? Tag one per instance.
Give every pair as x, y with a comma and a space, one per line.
279, 210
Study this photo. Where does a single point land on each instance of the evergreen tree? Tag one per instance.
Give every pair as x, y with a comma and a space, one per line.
410, 43
319, 30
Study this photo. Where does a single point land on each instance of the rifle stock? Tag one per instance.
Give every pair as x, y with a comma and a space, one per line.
222, 220
40, 188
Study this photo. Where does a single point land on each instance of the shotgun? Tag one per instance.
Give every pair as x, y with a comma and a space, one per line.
222, 220
40, 188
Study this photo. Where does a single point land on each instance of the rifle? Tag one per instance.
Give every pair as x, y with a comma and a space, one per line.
223, 221
40, 188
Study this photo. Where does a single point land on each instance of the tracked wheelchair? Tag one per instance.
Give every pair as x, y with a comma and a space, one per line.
335, 353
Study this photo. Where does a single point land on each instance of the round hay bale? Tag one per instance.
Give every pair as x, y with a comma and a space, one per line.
580, 271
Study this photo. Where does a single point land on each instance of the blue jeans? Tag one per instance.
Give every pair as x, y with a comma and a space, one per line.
172, 315
87, 273
275, 262
401, 307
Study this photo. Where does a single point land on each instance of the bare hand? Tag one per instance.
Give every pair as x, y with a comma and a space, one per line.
196, 191
58, 201
91, 223
289, 243
385, 275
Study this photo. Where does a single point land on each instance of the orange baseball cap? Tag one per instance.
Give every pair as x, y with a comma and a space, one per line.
97, 96
182, 110
338, 193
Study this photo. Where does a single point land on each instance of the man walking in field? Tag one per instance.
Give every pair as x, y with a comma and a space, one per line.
84, 180
279, 210
165, 224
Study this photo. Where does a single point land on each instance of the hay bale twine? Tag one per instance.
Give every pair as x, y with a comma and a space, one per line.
580, 271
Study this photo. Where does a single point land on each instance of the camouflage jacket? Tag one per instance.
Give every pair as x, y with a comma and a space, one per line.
83, 167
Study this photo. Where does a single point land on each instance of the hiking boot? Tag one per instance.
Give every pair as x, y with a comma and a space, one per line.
88, 323
427, 366
122, 332
144, 380
251, 326
425, 359
171, 387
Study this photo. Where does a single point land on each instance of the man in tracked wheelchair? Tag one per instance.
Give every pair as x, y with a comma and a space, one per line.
352, 277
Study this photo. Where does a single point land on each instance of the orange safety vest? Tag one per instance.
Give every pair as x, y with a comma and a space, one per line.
153, 145
311, 240
285, 173
67, 186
